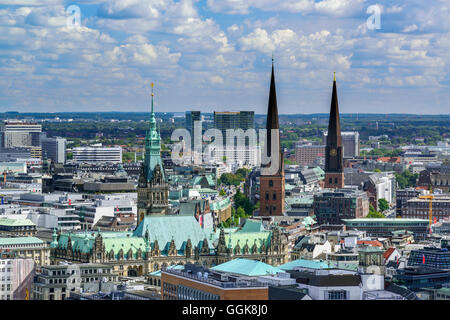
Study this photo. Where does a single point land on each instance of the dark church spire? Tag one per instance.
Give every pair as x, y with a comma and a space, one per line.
334, 126
272, 112
334, 168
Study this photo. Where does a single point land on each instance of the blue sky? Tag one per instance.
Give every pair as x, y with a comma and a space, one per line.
215, 55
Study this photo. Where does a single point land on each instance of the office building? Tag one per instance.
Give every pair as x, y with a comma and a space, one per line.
402, 197
57, 282
17, 227
419, 208
27, 247
350, 142
191, 118
97, 155
331, 207
435, 258
21, 134
234, 120
384, 227
193, 282
307, 154
54, 149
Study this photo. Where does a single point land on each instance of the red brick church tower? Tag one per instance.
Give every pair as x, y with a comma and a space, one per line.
272, 174
334, 169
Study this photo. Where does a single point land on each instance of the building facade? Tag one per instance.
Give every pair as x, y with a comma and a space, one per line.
331, 207
54, 149
97, 154
307, 154
21, 134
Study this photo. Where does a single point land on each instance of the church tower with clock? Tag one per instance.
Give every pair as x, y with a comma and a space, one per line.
334, 171
153, 190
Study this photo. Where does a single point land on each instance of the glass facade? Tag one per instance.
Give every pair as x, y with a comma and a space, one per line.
431, 258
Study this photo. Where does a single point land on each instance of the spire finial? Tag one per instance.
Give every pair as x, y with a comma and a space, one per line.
152, 85
272, 57
334, 76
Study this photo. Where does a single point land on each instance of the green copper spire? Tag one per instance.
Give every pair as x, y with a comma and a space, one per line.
54, 242
152, 145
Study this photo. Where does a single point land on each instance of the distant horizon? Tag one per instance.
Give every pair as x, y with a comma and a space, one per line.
218, 54
212, 112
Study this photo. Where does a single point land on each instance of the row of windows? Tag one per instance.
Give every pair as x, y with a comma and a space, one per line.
186, 293
274, 196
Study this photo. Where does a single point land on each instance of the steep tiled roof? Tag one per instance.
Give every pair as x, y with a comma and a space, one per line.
388, 253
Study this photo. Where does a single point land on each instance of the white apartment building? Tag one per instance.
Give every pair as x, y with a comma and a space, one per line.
16, 277
21, 134
97, 154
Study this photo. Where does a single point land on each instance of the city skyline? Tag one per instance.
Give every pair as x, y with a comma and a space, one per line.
210, 54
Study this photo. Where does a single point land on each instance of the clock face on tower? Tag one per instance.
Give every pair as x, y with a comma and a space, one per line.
333, 152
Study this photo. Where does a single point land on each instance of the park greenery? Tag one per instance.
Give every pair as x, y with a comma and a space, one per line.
406, 179
242, 208
234, 179
374, 213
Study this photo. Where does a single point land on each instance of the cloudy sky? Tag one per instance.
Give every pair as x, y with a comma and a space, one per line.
215, 55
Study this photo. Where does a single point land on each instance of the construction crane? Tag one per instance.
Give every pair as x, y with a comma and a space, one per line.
430, 208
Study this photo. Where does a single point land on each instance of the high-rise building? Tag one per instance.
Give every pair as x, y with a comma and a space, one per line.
350, 142
334, 169
234, 120
191, 118
97, 154
153, 189
240, 149
54, 149
307, 154
272, 184
21, 134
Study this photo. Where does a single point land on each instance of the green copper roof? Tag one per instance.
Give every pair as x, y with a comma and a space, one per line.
178, 227
252, 226
308, 221
318, 264
288, 186
15, 222
319, 172
198, 179
219, 204
247, 267
20, 240
249, 238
